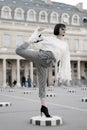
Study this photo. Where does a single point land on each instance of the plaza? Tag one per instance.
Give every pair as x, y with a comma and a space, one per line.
66, 104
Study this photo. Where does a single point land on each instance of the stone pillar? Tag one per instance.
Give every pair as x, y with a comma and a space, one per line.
26, 69
14, 71
18, 73
56, 77
4, 73
79, 77
31, 71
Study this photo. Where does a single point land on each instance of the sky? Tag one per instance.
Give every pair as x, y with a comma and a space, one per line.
73, 2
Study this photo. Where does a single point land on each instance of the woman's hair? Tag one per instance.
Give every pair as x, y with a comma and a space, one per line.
57, 27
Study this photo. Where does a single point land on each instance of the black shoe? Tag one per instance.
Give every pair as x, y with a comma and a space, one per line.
45, 111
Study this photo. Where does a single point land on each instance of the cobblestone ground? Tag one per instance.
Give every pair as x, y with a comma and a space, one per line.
67, 103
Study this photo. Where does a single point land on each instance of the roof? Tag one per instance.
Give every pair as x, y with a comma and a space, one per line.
39, 5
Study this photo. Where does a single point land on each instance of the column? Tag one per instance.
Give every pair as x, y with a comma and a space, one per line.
49, 76
56, 77
26, 69
14, 71
4, 73
78, 70
26, 73
18, 73
31, 71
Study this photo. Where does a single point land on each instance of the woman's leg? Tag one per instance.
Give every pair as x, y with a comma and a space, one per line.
28, 54
42, 75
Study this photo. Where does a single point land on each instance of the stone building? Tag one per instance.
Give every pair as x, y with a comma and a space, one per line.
19, 18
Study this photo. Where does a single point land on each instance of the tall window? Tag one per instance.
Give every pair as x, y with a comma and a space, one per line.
43, 16
54, 17
6, 12
85, 45
6, 40
31, 15
76, 44
65, 18
19, 40
75, 19
19, 14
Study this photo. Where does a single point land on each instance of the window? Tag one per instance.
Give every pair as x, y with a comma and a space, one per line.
75, 20
76, 44
65, 18
6, 40
31, 15
53, 72
19, 40
75, 65
43, 16
86, 65
19, 14
54, 17
85, 45
6, 12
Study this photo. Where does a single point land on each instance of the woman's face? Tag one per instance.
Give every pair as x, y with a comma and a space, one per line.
62, 31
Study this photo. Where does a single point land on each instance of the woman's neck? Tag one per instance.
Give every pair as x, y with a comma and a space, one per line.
59, 37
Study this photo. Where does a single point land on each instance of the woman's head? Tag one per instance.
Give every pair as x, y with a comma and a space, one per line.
58, 28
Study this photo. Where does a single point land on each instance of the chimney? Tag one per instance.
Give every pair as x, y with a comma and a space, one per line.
80, 6
48, 1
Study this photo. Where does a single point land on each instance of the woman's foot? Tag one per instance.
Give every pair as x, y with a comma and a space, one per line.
45, 111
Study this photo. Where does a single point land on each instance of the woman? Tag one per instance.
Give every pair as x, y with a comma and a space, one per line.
45, 52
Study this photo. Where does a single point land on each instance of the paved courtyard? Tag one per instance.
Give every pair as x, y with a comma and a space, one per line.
67, 103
